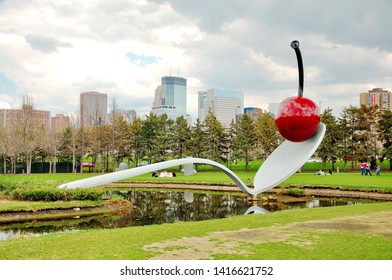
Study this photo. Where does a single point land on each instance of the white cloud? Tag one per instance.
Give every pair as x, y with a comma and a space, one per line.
53, 50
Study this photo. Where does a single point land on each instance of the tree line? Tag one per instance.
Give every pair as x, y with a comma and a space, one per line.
359, 134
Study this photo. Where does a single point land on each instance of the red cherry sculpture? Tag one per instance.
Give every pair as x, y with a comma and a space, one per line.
297, 118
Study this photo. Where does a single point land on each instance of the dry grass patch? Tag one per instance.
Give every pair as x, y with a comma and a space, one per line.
301, 234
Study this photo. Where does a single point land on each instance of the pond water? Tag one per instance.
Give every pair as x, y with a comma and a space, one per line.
154, 207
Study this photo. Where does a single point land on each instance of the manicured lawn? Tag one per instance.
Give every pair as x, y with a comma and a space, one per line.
339, 233
346, 232
344, 180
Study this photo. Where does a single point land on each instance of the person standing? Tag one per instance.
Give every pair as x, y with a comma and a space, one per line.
378, 170
363, 167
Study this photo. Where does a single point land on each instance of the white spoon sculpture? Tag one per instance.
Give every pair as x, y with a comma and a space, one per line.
284, 161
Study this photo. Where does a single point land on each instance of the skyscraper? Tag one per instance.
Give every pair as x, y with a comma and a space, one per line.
170, 97
226, 105
377, 96
202, 98
93, 108
157, 99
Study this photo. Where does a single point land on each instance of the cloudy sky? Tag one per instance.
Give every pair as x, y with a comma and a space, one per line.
53, 50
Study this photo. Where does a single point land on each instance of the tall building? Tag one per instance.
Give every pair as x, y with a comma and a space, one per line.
202, 98
93, 108
226, 105
59, 123
377, 96
158, 96
10, 118
170, 97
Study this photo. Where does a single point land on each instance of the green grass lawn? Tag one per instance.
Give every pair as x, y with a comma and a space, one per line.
344, 180
306, 234
343, 233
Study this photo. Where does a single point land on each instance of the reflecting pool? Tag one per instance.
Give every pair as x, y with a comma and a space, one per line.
158, 207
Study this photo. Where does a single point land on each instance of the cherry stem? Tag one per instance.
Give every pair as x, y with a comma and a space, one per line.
295, 46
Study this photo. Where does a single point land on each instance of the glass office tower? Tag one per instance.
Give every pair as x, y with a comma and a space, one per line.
170, 98
173, 93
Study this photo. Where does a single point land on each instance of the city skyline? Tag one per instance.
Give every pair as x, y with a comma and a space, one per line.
53, 50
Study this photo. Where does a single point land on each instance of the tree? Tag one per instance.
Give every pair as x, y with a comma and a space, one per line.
245, 140
5, 145
120, 141
349, 128
216, 138
50, 145
164, 139
181, 133
267, 135
30, 134
369, 132
385, 129
69, 146
198, 141
99, 139
231, 135
134, 137
155, 137
328, 149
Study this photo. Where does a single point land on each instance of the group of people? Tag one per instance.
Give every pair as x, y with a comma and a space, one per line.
365, 167
322, 172
164, 173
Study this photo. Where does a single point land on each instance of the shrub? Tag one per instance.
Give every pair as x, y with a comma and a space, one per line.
295, 192
45, 193
8, 187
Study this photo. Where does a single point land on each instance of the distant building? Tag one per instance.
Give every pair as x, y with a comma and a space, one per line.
158, 97
93, 108
227, 105
253, 112
59, 123
202, 98
128, 115
377, 96
10, 118
171, 97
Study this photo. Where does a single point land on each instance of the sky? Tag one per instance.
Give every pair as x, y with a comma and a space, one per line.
54, 50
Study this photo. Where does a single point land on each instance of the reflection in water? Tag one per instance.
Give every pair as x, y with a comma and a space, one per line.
188, 196
254, 210
158, 207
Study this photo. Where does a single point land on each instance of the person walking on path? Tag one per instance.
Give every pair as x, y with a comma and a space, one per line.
378, 170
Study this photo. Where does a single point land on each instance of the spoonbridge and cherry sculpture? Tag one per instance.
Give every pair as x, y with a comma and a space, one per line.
297, 120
